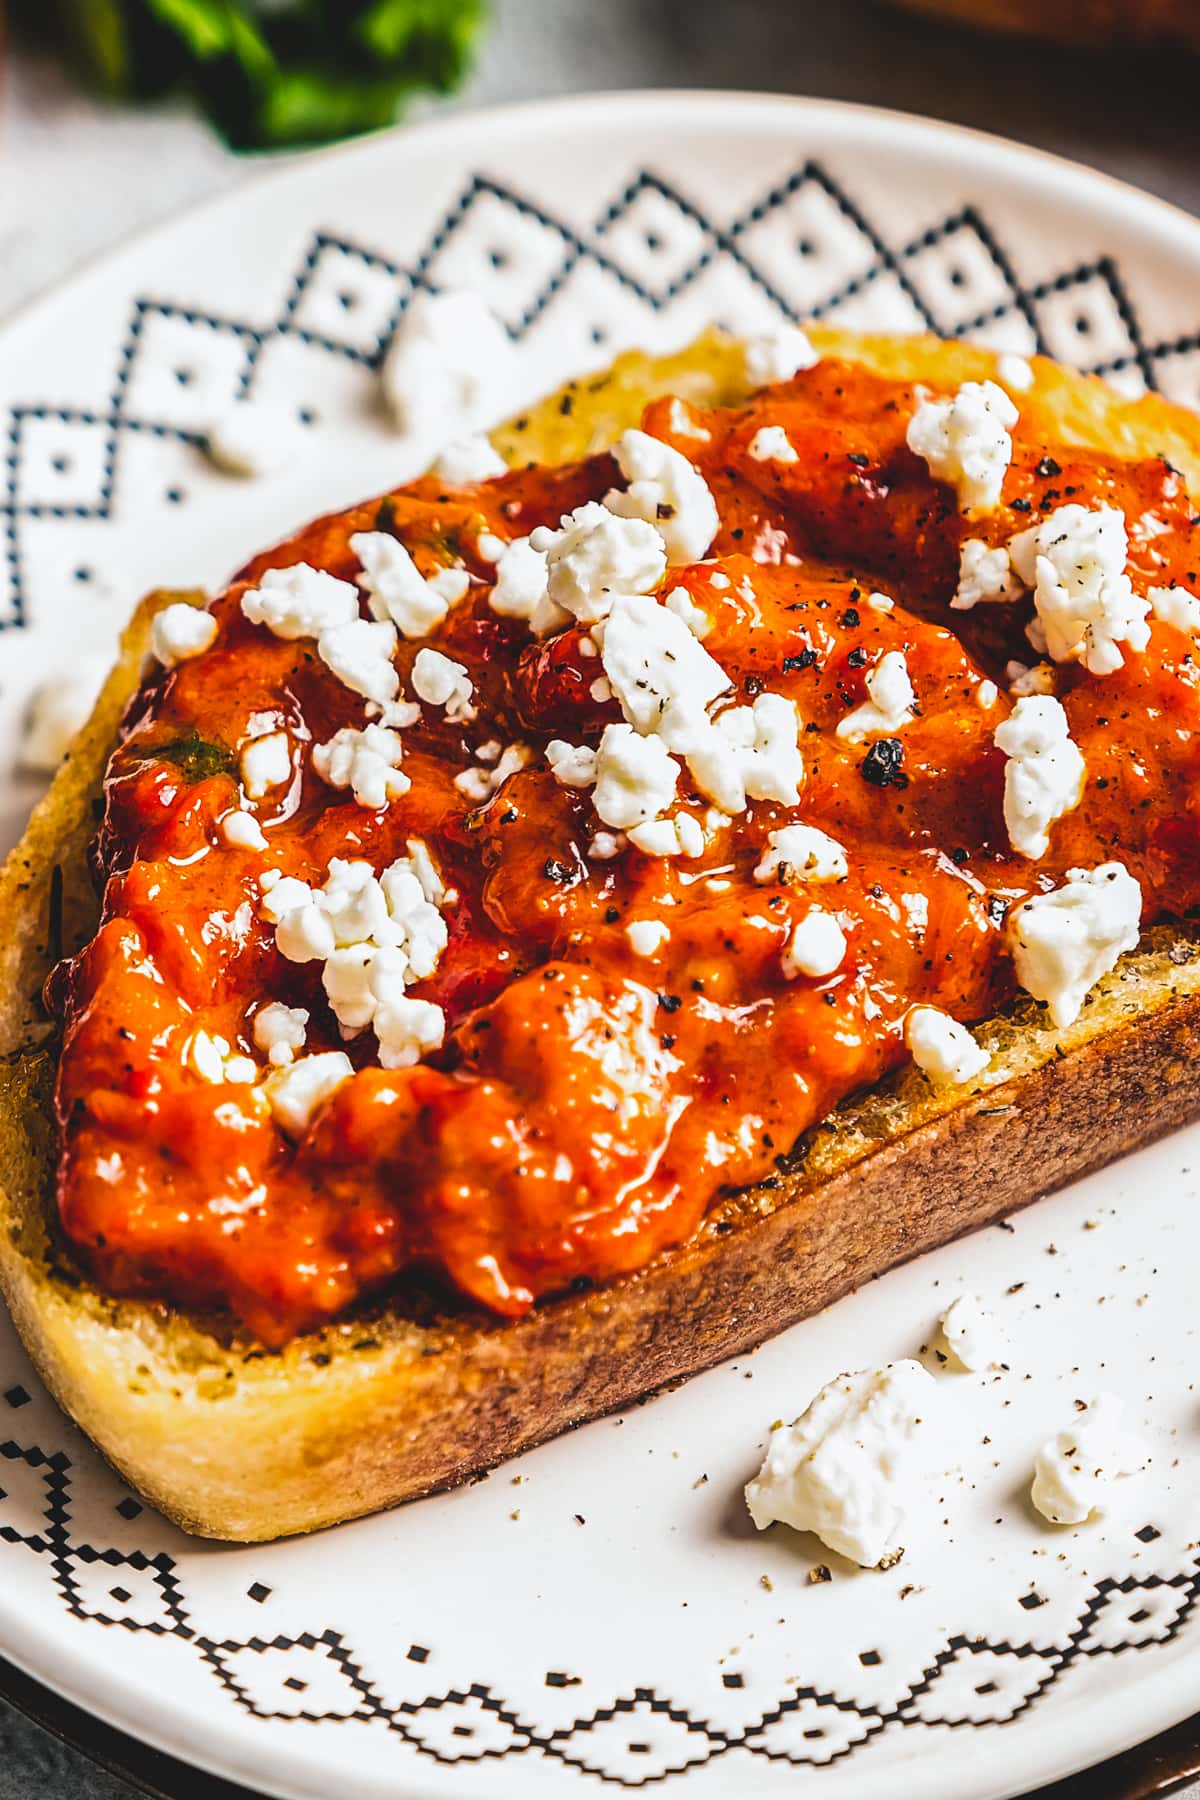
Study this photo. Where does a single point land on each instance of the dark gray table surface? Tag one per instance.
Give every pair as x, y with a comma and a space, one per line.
1132, 117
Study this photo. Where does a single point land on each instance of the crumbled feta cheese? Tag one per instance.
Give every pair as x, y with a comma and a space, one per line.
520, 581
890, 702
778, 355
1064, 941
1076, 1470
1044, 774
941, 1047
771, 444
311, 923
1024, 679
251, 439
300, 602
242, 831
480, 784
572, 765
58, 711
607, 844
367, 762
181, 631
1176, 606
881, 603
211, 1058
489, 548
985, 575
986, 695
266, 762
375, 935
466, 460
596, 555
966, 442
440, 681
666, 491
845, 1468
816, 946
360, 655
407, 1029
801, 853
749, 751
663, 679
298, 1092
698, 622
280, 1031
287, 897
683, 425
450, 366
647, 936
1074, 560
1015, 372
636, 778
761, 755
972, 1334
396, 588
394, 715
680, 836
428, 879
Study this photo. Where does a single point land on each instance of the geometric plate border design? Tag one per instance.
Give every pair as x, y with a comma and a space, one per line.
327, 1684
1083, 314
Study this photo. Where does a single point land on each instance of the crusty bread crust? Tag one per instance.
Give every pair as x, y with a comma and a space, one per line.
233, 1442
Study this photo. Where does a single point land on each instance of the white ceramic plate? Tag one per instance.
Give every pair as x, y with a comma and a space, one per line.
601, 1610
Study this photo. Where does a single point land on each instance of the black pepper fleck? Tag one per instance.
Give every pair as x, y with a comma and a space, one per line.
882, 765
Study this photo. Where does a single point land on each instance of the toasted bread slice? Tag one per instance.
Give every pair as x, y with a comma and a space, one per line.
235, 1442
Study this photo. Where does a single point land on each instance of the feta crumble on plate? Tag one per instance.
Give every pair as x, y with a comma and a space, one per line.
1078, 1469
252, 439
450, 367
973, 1335
845, 1469
58, 710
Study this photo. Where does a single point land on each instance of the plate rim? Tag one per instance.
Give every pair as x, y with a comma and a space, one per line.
273, 167
1177, 1690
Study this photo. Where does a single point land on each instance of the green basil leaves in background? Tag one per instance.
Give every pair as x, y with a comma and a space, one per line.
268, 72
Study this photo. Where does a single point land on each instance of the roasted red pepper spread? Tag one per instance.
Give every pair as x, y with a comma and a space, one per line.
589, 1102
